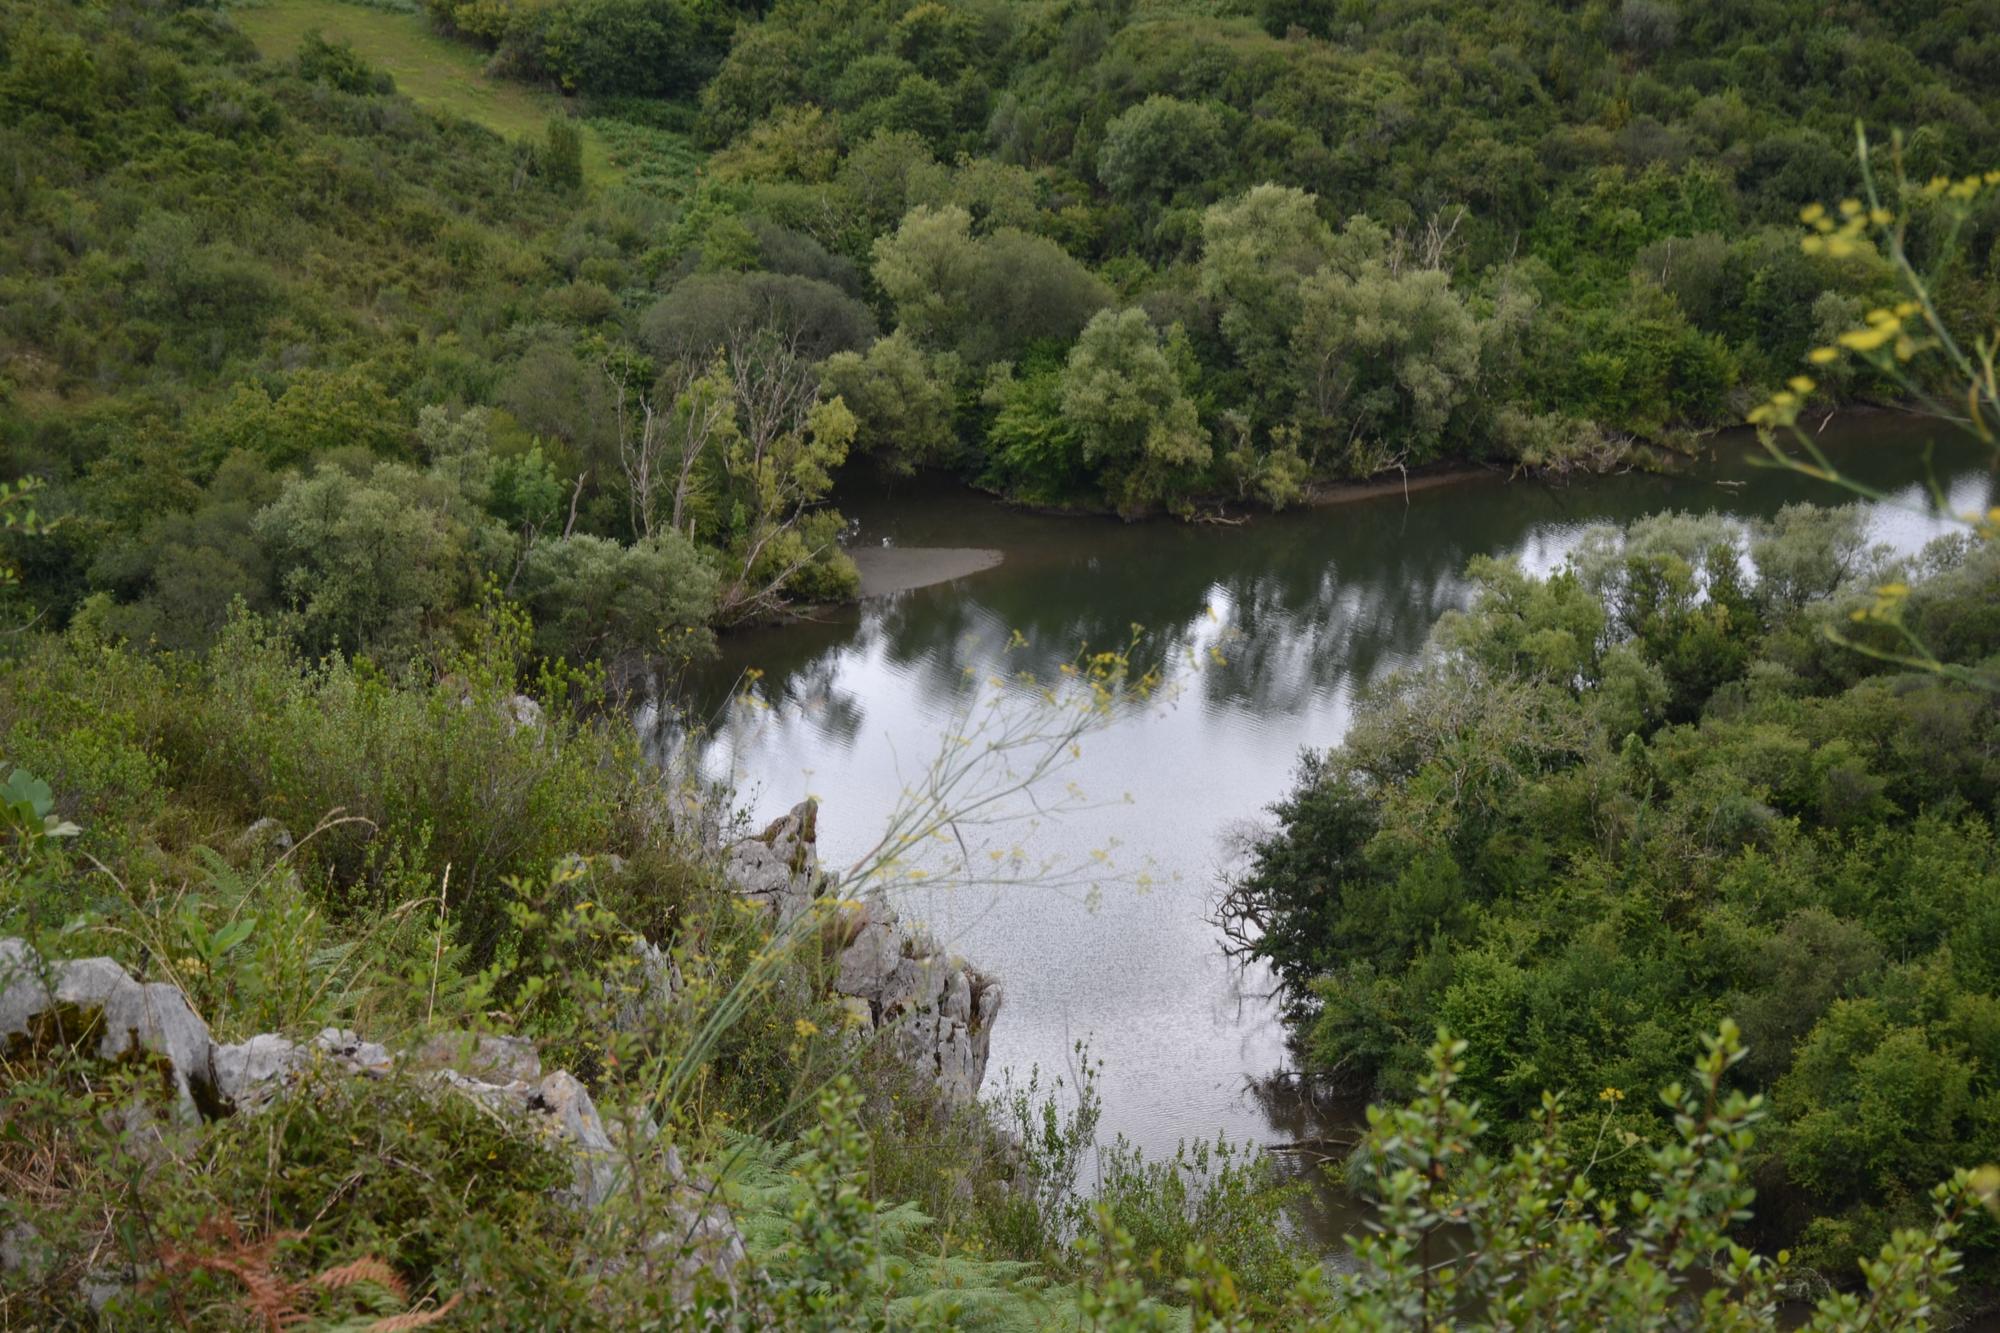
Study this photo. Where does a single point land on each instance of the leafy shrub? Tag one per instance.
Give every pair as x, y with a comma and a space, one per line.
594, 598
1622, 801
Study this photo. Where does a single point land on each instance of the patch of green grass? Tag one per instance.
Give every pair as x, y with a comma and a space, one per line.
431, 70
646, 157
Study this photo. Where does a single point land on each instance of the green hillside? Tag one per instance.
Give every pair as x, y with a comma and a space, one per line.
397, 401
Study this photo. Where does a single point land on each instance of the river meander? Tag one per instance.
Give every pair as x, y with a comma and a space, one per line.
1305, 609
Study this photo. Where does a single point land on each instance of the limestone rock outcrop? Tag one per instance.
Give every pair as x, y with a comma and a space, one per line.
94, 1007
936, 1009
779, 869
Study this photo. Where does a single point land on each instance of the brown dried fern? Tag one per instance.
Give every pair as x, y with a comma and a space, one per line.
270, 1298
415, 1318
365, 1269
279, 1302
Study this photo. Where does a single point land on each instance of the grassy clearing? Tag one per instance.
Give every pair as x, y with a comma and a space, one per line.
432, 71
645, 158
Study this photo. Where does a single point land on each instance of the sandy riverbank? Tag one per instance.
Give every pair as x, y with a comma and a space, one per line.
893, 569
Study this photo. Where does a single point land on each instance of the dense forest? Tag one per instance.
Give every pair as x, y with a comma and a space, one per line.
362, 459
273, 333
1619, 804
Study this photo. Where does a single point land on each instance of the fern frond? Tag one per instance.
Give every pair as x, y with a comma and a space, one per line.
365, 1269
415, 1318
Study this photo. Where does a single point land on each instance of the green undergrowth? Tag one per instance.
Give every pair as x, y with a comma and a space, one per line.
455, 870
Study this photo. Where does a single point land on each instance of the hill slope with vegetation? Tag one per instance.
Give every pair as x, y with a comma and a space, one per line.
362, 437
1113, 255
1142, 254
273, 333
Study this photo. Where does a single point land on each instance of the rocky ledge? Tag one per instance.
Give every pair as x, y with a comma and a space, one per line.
95, 1008
935, 1008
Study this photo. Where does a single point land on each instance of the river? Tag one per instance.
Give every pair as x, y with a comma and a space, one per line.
1269, 630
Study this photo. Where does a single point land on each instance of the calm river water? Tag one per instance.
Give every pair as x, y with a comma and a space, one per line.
1308, 608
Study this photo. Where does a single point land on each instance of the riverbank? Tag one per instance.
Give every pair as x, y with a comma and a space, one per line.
1304, 609
1221, 509
887, 570
1324, 495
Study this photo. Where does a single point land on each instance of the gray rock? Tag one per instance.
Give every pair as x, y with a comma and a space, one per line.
651, 984
105, 1287
915, 983
766, 877
958, 1072
867, 964
503, 1101
699, 1239
939, 1008
958, 998
990, 998
23, 1252
24, 996
355, 1055
568, 1105
266, 839
779, 868
702, 1238
522, 712
250, 1074
916, 1041
93, 1005
494, 1059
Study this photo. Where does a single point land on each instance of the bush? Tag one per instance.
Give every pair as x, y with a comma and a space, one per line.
902, 411
369, 564
1216, 1199
1451, 863
430, 774
592, 598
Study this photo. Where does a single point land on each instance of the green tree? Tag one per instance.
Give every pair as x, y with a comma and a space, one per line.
1034, 448
372, 563
1127, 394
902, 409
928, 269
562, 154
777, 466
986, 297
1257, 252
322, 61
591, 598
1383, 360
317, 411
1159, 147
710, 312
889, 174
1026, 289
614, 48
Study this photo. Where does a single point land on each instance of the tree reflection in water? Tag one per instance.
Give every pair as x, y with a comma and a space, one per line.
1266, 634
